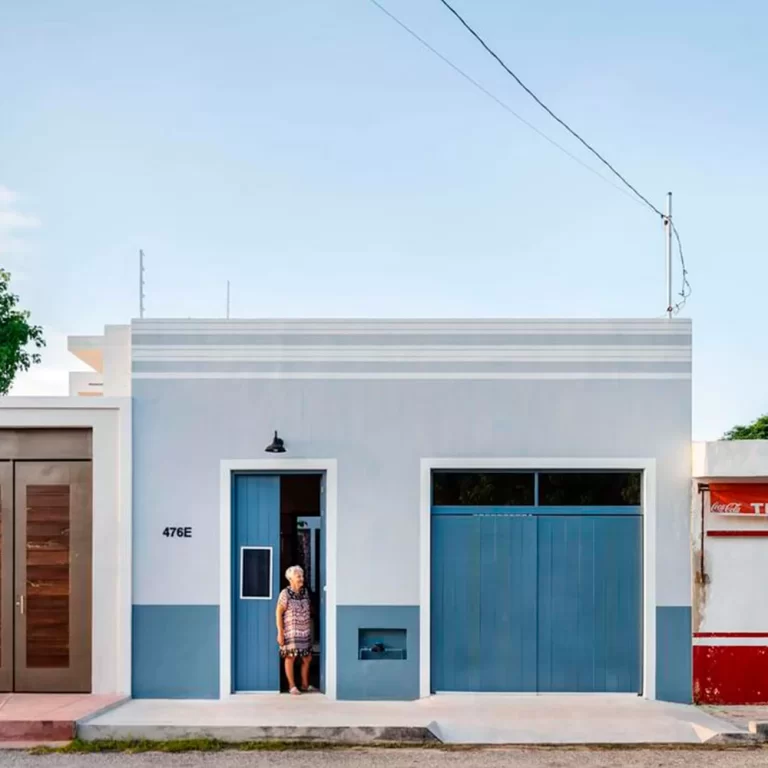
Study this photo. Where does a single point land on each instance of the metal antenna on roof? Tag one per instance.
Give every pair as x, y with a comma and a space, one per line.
141, 284
227, 299
667, 219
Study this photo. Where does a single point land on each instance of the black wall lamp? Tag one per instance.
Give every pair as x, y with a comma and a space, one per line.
277, 445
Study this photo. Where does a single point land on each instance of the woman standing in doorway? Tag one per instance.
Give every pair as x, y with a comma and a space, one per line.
294, 629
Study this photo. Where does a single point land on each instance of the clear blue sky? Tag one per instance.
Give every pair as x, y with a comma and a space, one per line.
315, 155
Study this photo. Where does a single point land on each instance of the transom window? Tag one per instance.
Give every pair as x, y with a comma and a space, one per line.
545, 489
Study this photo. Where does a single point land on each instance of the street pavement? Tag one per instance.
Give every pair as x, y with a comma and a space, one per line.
559, 757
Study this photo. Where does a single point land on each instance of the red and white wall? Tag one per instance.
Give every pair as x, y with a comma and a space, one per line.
730, 572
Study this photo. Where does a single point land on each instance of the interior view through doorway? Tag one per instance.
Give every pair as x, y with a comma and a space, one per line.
300, 544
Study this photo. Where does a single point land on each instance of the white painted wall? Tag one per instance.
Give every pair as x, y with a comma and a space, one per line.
117, 361
86, 384
110, 420
733, 600
110, 357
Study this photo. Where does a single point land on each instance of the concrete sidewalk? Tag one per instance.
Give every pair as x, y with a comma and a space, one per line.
486, 719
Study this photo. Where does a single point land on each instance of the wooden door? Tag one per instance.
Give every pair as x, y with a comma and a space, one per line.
6, 576
53, 577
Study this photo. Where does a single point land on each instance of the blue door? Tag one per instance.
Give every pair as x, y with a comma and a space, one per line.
483, 603
536, 599
255, 582
589, 603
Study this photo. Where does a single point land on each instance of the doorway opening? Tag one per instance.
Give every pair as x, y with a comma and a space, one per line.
277, 522
301, 544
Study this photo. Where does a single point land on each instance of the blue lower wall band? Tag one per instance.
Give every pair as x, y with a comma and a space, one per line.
674, 673
175, 652
390, 679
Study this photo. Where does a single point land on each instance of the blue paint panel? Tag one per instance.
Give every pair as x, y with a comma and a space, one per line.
549, 603
590, 604
388, 679
255, 523
483, 603
175, 652
674, 675
538, 511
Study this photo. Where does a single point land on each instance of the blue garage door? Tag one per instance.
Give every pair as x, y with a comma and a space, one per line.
537, 597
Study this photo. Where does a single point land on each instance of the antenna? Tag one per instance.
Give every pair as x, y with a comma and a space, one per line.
227, 299
667, 219
141, 284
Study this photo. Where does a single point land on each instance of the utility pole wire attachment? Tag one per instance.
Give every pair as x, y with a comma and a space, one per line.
141, 284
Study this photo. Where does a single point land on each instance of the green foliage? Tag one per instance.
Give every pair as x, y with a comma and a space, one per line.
16, 334
757, 430
214, 745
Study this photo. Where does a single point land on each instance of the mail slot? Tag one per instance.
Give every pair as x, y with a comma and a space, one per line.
382, 645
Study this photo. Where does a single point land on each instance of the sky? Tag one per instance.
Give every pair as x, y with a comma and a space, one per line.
323, 161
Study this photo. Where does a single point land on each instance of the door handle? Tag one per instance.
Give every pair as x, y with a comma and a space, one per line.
20, 604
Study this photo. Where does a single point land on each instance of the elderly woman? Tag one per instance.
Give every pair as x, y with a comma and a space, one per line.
294, 629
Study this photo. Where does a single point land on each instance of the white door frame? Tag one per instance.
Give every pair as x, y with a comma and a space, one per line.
109, 418
648, 468
227, 467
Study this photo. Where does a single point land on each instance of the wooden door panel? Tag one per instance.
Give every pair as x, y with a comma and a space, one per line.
53, 576
6, 576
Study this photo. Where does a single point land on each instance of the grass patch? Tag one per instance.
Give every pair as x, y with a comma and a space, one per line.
214, 745
211, 745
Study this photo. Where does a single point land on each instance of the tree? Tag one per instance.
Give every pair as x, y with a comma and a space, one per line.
757, 430
16, 335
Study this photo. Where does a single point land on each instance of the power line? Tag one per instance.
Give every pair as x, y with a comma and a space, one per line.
546, 108
498, 101
685, 290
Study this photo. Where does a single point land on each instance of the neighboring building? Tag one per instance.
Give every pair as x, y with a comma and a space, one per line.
481, 505
730, 536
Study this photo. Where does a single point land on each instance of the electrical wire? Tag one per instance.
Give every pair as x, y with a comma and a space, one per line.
546, 108
501, 103
686, 290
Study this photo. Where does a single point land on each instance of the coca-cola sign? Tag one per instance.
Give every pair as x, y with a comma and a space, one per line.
738, 498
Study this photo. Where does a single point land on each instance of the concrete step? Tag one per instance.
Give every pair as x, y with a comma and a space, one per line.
242, 733
31, 717
37, 730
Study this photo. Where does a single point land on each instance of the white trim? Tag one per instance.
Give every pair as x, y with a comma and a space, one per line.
413, 352
752, 642
226, 468
647, 466
110, 420
417, 375
308, 326
271, 572
13, 403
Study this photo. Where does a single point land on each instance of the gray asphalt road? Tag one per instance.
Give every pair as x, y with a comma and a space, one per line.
524, 758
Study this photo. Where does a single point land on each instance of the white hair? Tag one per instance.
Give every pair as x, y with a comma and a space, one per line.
294, 570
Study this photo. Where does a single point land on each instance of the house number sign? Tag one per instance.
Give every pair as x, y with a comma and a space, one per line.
173, 532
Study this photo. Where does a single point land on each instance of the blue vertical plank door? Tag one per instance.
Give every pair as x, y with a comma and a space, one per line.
536, 600
589, 620
255, 523
483, 603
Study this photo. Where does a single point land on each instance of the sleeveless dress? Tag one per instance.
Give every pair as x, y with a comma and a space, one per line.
297, 623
